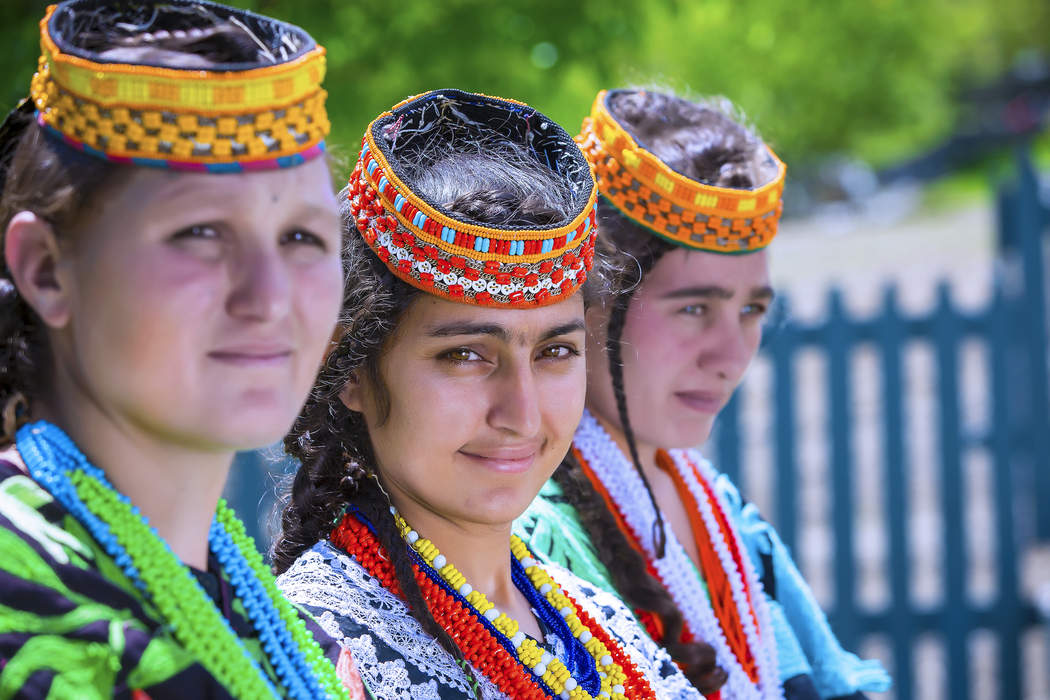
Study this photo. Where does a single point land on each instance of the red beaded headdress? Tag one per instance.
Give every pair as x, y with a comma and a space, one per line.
683, 211
457, 259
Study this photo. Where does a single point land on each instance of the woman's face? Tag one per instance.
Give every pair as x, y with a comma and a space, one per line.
692, 329
483, 403
200, 304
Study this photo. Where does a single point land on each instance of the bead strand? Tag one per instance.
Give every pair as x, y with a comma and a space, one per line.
492, 641
147, 561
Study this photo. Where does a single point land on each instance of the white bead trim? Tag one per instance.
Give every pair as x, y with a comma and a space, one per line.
677, 572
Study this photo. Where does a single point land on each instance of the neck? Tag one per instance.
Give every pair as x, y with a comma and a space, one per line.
174, 486
480, 551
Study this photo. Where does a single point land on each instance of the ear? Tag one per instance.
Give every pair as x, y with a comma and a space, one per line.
32, 254
352, 394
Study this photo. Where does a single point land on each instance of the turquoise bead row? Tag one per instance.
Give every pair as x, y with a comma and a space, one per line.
57, 464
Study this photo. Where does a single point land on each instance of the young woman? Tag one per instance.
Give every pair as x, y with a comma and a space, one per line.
168, 288
691, 198
450, 397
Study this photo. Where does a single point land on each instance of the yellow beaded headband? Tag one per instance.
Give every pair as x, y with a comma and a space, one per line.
460, 260
671, 205
232, 118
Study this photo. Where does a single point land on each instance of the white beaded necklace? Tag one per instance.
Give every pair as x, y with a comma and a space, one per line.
676, 570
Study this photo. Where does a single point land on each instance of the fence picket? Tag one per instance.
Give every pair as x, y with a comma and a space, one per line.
782, 348
1008, 606
946, 339
728, 442
1031, 218
839, 345
891, 339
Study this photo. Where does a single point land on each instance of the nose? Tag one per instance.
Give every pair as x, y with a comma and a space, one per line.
727, 346
515, 403
260, 286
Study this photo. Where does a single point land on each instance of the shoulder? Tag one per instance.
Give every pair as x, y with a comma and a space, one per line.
618, 621
552, 530
396, 657
60, 594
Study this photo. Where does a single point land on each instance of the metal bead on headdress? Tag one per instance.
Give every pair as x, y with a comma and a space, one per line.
267, 113
677, 208
456, 259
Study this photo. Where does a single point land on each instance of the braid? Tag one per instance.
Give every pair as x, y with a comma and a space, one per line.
614, 349
633, 253
375, 506
638, 588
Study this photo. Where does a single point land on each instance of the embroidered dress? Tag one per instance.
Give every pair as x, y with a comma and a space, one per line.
398, 660
73, 625
807, 659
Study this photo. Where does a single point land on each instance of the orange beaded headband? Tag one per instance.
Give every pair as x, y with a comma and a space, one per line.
671, 205
460, 260
230, 119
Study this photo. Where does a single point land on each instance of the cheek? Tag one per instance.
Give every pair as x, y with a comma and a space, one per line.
435, 413
145, 309
318, 295
654, 349
564, 398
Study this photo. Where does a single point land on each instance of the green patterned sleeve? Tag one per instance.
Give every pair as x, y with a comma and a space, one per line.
552, 530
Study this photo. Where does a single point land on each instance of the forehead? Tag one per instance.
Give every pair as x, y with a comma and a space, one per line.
431, 316
144, 188
681, 267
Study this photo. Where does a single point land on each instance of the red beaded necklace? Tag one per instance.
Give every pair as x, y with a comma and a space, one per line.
479, 646
715, 576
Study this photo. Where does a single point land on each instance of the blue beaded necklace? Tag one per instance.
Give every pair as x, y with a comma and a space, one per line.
55, 462
580, 663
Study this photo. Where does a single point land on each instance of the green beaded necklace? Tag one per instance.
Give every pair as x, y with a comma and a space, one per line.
56, 463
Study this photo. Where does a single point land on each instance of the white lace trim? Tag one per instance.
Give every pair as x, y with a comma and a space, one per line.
676, 570
350, 592
326, 578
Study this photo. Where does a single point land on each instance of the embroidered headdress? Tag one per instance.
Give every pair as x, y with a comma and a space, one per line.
228, 117
451, 256
677, 208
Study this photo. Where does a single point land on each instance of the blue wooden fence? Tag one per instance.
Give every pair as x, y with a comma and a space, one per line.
1012, 327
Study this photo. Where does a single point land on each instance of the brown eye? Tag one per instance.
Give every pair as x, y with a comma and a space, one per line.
461, 355
558, 352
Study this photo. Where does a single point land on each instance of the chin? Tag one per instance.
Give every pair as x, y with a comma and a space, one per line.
245, 431
499, 509
673, 437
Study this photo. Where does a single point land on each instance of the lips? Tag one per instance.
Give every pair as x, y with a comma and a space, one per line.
702, 401
504, 459
252, 355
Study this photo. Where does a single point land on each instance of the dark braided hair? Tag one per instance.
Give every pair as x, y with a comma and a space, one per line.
706, 143
492, 183
58, 183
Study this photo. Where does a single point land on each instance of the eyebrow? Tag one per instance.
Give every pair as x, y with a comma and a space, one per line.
497, 331
564, 329
714, 291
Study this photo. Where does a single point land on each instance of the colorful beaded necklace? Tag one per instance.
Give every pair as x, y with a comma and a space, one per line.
301, 668
738, 625
492, 641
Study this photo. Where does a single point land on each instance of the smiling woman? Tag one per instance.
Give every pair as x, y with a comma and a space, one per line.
451, 395
168, 286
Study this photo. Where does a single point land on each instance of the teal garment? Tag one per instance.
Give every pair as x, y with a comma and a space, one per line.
805, 643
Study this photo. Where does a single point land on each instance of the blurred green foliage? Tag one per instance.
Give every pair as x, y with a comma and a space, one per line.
873, 78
